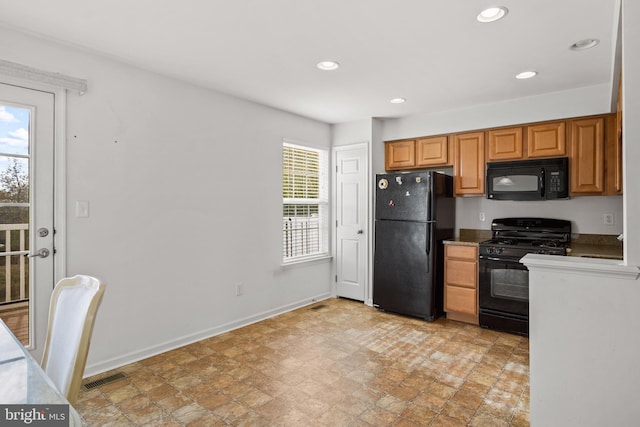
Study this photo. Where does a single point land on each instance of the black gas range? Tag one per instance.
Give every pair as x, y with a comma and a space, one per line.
503, 281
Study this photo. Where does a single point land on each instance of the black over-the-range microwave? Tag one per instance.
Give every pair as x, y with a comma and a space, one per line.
542, 179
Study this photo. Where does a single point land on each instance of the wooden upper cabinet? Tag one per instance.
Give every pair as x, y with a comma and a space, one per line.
614, 149
469, 163
505, 144
546, 140
587, 155
593, 144
400, 154
432, 151
420, 153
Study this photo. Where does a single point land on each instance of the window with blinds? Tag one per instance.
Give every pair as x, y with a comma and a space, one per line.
305, 209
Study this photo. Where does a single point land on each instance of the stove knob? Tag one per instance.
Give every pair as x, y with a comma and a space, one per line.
491, 250
500, 250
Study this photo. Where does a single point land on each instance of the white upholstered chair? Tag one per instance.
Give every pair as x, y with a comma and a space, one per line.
74, 303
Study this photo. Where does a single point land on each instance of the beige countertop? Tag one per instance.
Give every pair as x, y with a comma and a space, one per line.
460, 242
582, 245
595, 251
469, 237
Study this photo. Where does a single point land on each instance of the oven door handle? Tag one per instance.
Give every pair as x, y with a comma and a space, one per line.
490, 258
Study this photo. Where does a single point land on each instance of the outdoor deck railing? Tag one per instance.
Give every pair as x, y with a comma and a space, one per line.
16, 275
301, 236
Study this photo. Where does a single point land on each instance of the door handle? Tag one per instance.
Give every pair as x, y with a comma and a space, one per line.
42, 253
360, 232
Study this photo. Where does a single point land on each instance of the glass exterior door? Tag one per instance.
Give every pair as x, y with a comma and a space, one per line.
26, 211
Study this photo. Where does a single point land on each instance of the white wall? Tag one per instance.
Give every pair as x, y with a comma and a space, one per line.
570, 103
631, 126
184, 187
351, 132
584, 212
583, 335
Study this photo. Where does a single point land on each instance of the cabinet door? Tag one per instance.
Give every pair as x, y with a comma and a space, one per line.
461, 300
505, 144
400, 155
546, 140
614, 148
433, 151
461, 273
587, 156
469, 163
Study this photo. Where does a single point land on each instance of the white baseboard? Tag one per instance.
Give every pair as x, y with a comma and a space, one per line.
125, 359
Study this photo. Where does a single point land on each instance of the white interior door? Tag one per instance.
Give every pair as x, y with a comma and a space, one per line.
27, 206
351, 221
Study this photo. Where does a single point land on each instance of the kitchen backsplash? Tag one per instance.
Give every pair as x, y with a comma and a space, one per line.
585, 213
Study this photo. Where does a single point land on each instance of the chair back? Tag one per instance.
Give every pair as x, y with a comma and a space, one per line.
74, 303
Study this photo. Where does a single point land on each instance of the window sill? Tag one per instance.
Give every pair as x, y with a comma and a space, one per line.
304, 262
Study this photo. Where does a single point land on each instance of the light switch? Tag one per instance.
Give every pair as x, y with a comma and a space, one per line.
82, 209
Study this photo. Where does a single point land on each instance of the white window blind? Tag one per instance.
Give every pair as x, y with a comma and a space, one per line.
305, 211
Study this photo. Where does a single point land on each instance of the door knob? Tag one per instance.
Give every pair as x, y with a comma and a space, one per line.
360, 231
42, 253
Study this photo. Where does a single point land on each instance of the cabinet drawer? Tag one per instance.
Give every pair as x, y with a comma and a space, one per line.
460, 273
461, 300
462, 252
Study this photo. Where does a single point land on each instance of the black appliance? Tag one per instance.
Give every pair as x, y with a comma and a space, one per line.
542, 179
415, 212
504, 282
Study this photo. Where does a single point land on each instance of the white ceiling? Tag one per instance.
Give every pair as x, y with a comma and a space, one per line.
433, 53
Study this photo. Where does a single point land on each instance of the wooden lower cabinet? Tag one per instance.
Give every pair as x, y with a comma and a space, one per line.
461, 283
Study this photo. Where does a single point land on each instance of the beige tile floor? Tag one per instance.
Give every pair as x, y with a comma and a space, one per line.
337, 363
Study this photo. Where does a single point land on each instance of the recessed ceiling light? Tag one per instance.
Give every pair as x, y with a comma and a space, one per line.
526, 75
584, 44
492, 14
328, 65
398, 100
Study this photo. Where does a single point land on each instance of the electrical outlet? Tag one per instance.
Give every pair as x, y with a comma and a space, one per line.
608, 219
482, 217
239, 289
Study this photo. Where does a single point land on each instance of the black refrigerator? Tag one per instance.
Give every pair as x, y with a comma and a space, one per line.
415, 212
